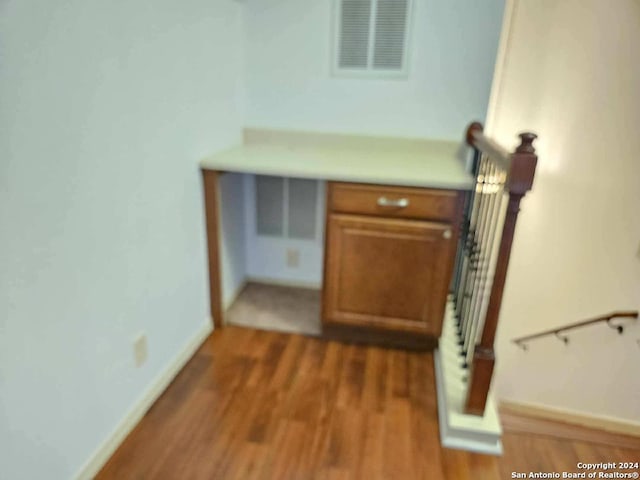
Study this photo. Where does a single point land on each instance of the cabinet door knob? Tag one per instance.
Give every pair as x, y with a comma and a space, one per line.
447, 233
399, 203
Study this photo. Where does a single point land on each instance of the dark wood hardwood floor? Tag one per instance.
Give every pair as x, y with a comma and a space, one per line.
261, 405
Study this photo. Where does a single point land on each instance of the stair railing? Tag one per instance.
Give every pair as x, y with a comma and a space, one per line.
560, 332
491, 212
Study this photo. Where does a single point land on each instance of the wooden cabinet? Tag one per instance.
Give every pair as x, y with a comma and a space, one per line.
388, 260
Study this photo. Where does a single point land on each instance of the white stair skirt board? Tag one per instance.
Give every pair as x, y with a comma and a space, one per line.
457, 429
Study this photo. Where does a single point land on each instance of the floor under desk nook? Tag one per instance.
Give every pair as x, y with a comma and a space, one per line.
277, 308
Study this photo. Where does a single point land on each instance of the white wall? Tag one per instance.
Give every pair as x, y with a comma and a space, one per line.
289, 86
233, 227
106, 108
266, 256
571, 74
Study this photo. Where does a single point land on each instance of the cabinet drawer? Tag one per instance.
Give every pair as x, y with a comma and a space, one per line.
386, 201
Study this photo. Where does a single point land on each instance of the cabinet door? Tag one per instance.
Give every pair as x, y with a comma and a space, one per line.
387, 273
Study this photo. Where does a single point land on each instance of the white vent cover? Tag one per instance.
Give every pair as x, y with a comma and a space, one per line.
371, 37
286, 207
270, 205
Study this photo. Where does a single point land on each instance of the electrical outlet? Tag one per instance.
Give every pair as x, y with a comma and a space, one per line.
140, 350
293, 257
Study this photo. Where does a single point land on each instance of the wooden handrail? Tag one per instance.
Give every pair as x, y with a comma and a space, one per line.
520, 169
520, 341
477, 139
519, 166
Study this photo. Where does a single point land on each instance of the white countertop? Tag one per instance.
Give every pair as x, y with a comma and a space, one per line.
349, 158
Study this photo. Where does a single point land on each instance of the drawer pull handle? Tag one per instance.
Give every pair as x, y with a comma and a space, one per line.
399, 203
447, 233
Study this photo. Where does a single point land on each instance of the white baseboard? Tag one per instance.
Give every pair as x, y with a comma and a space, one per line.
226, 303
597, 422
285, 283
135, 414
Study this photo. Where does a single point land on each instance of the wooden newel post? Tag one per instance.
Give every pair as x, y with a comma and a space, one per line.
519, 182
